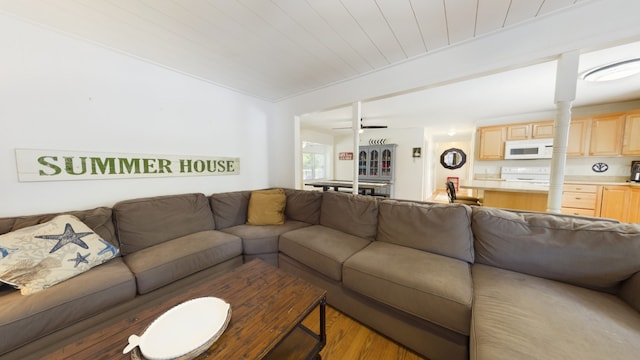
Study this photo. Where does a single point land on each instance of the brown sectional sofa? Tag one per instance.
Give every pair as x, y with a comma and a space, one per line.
448, 281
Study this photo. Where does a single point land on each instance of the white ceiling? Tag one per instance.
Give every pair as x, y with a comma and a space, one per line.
526, 93
276, 49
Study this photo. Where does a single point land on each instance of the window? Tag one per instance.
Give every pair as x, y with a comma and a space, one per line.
314, 161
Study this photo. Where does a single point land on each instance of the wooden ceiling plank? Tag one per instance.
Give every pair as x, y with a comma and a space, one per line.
432, 23
370, 20
491, 15
461, 19
325, 64
402, 20
307, 17
521, 10
340, 20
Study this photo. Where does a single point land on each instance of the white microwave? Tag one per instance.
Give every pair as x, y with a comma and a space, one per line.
528, 149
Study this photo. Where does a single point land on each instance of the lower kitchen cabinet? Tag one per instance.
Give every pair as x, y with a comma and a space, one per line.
621, 202
581, 199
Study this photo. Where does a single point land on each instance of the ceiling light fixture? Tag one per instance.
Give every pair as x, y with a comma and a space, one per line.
615, 71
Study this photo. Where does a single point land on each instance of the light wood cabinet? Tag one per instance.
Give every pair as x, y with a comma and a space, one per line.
606, 135
536, 130
581, 199
621, 202
631, 142
491, 143
578, 129
518, 131
542, 130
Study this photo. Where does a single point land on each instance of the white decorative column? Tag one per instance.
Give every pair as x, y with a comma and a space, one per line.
355, 125
566, 81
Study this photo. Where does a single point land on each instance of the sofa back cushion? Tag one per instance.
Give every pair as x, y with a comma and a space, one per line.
230, 208
303, 205
584, 252
142, 223
353, 214
436, 228
98, 219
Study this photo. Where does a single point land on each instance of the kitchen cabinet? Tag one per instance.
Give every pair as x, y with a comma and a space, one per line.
536, 130
518, 131
581, 199
606, 135
542, 130
376, 163
621, 202
492, 143
631, 142
578, 132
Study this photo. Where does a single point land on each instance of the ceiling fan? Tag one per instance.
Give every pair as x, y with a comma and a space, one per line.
362, 126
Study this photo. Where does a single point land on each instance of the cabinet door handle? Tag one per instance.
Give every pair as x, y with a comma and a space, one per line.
578, 198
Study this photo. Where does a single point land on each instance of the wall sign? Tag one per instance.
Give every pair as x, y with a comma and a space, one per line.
345, 156
56, 165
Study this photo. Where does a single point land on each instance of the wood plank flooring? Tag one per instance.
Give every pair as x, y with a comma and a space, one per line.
348, 339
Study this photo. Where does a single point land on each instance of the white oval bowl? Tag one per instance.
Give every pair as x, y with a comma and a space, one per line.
184, 328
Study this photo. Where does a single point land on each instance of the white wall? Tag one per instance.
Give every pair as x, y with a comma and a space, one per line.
59, 92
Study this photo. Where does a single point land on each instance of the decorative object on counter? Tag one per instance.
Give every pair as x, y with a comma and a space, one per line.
599, 167
417, 152
184, 331
453, 158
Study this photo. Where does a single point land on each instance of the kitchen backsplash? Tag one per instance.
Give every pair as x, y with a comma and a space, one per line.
613, 169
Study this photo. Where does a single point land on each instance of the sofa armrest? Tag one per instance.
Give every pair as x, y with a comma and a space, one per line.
630, 291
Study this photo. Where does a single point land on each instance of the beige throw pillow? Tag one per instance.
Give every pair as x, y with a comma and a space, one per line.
266, 207
37, 257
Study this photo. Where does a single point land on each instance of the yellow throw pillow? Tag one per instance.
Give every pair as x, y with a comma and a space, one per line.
266, 207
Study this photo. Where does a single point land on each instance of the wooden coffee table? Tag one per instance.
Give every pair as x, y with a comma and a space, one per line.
267, 304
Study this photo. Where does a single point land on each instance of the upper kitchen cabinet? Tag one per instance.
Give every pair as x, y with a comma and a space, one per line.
542, 130
536, 130
631, 142
578, 130
491, 143
518, 131
606, 134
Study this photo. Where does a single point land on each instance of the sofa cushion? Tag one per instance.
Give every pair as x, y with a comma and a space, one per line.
353, 214
517, 316
436, 228
303, 205
145, 222
630, 291
171, 260
321, 248
98, 219
266, 207
262, 239
36, 257
596, 254
430, 286
26, 318
230, 208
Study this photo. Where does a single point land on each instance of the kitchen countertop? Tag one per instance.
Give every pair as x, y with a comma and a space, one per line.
523, 186
501, 185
